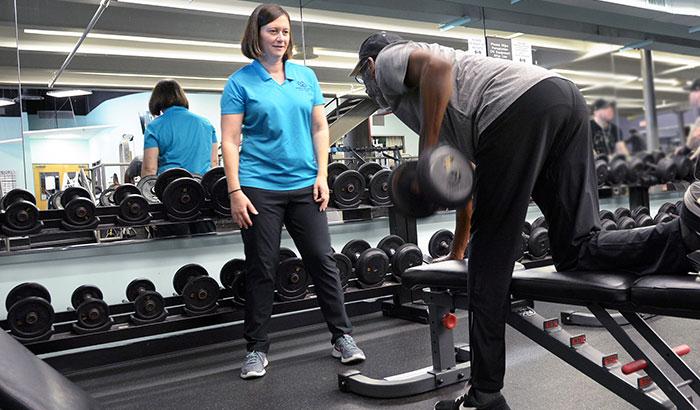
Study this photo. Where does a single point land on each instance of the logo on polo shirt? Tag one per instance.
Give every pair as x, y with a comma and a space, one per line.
302, 85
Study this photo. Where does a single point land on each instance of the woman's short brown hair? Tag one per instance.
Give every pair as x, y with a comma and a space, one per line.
166, 94
263, 15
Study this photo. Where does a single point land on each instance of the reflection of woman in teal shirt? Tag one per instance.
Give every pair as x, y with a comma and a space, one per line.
279, 177
177, 138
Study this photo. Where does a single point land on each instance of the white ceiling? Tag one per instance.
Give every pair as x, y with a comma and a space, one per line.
138, 42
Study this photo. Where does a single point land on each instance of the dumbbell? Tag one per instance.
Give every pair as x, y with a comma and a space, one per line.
335, 169
440, 243
623, 217
199, 291
216, 189
527, 227
371, 264
602, 169
105, 199
684, 166
133, 207
286, 253
664, 169
368, 169
607, 220
347, 189
670, 208
181, 194
21, 213
220, 198
30, 315
91, 309
636, 168
149, 305
401, 255
79, 210
210, 178
539, 222
662, 217
442, 176
377, 183
641, 216
618, 168
147, 186
291, 279
232, 276
537, 242
344, 266
668, 212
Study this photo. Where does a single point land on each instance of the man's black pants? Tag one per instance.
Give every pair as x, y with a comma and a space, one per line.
308, 228
541, 147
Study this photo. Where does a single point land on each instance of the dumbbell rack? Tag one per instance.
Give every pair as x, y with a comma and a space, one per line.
297, 313
639, 194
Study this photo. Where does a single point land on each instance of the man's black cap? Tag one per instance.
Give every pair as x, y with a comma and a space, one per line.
601, 103
695, 86
372, 46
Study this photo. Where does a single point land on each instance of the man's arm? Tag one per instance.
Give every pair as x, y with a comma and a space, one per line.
432, 74
150, 162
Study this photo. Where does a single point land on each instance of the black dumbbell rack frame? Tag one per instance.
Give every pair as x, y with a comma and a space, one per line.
639, 194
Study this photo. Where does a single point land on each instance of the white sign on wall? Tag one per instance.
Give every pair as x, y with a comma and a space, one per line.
522, 51
477, 46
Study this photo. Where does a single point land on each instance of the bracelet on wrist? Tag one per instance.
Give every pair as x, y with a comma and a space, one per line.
235, 190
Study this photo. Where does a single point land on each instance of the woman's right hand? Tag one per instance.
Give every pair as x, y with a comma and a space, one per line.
241, 209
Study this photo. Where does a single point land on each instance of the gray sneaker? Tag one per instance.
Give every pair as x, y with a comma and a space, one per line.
346, 350
255, 363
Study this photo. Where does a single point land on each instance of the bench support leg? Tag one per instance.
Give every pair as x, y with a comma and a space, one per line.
585, 359
444, 372
680, 366
657, 375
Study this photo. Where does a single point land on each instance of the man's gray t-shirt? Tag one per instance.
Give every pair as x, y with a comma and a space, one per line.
482, 89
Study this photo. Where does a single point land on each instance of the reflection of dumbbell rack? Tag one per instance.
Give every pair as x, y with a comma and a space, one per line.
623, 218
641, 174
364, 154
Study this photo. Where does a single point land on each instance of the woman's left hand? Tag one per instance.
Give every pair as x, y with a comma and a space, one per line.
321, 193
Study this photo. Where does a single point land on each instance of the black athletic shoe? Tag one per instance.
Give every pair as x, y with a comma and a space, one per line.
690, 217
467, 401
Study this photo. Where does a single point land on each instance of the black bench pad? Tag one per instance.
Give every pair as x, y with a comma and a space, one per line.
540, 284
448, 275
27, 383
680, 293
546, 284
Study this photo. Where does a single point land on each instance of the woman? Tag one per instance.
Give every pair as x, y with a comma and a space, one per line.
177, 138
279, 177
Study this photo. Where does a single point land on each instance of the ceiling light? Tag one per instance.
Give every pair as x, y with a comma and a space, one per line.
6, 101
68, 93
12, 141
514, 35
641, 44
454, 23
141, 39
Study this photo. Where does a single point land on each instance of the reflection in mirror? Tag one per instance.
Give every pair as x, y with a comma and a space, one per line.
11, 156
94, 118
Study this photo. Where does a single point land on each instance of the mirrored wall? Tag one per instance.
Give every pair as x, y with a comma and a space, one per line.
91, 114
12, 169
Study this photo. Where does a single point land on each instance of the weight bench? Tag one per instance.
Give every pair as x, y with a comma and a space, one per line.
27, 383
641, 383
